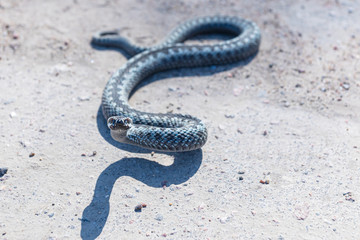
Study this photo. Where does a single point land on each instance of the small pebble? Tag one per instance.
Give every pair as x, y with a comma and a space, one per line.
159, 217
345, 86
299, 70
3, 171
265, 182
348, 197
139, 207
229, 116
93, 154
13, 114
129, 196
286, 104
223, 220
24, 144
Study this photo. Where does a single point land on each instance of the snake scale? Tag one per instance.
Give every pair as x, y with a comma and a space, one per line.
169, 132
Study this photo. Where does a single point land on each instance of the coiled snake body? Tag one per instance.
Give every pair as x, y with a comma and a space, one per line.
169, 132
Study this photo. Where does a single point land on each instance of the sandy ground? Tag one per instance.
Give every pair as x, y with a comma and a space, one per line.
289, 118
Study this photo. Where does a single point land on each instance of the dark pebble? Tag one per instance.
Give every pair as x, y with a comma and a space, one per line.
139, 207
3, 171
264, 182
229, 116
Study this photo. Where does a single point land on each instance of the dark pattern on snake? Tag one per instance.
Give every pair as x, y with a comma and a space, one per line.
169, 132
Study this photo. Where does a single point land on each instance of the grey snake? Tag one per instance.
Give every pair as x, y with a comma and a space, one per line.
169, 132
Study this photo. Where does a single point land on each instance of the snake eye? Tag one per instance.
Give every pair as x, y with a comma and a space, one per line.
111, 122
127, 121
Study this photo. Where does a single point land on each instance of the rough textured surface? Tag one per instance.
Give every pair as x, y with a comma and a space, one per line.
170, 132
290, 118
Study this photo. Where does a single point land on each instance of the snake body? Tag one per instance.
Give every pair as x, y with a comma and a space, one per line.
169, 132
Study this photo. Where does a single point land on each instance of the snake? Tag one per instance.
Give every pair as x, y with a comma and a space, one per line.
169, 132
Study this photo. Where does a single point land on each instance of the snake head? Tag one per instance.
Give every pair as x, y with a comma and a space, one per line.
119, 123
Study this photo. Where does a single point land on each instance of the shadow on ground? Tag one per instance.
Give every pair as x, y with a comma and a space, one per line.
95, 215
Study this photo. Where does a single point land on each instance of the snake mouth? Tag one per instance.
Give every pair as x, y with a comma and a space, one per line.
119, 123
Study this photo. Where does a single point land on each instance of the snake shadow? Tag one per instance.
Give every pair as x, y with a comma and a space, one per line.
95, 215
